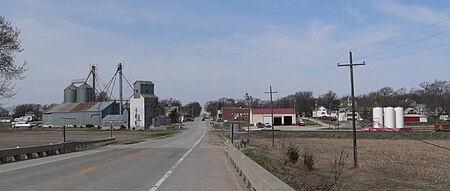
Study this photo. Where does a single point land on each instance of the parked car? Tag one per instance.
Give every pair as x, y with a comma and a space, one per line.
267, 125
301, 123
259, 125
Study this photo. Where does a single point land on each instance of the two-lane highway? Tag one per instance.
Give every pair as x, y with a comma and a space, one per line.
148, 165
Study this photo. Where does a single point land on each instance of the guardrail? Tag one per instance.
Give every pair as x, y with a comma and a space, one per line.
255, 177
25, 153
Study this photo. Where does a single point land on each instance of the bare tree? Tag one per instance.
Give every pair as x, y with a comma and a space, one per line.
9, 71
435, 95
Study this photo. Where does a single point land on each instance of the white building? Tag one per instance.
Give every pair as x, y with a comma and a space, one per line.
143, 105
320, 112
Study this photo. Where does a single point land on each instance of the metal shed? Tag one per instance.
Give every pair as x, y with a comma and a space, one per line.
79, 114
117, 121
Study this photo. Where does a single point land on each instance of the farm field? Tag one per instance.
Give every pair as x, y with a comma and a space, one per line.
22, 138
385, 162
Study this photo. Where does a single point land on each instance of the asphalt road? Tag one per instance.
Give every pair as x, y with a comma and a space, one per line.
173, 163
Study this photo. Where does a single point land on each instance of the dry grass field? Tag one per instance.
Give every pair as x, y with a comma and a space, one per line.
19, 137
385, 163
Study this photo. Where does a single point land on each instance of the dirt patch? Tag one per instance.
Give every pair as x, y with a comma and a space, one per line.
383, 164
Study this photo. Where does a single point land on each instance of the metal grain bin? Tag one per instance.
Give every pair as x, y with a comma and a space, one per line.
70, 94
85, 93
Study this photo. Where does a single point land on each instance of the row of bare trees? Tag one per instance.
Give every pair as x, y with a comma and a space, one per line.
434, 95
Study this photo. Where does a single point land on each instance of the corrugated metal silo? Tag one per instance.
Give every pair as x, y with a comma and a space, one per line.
399, 121
389, 117
70, 94
378, 117
85, 93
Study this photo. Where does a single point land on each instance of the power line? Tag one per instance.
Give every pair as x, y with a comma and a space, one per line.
426, 142
405, 45
403, 34
320, 74
420, 140
409, 53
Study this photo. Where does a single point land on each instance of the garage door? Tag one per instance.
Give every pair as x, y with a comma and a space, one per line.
277, 121
287, 120
267, 120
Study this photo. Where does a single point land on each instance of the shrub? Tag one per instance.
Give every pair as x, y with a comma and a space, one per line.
293, 153
308, 160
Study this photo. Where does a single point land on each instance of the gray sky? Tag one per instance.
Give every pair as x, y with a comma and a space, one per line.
203, 50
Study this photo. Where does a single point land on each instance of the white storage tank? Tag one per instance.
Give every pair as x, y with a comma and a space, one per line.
378, 117
399, 121
389, 117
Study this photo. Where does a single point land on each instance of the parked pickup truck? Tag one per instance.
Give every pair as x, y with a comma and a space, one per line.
442, 127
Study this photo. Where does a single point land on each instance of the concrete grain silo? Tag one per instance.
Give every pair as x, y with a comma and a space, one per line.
70, 94
378, 117
399, 120
389, 117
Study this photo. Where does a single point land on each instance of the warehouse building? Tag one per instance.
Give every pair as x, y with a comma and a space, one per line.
79, 114
281, 116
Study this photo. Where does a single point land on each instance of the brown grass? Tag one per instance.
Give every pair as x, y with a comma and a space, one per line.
383, 164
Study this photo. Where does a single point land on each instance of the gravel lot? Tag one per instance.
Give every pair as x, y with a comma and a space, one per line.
384, 164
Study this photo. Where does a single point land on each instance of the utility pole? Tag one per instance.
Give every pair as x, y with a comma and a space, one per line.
351, 65
119, 69
271, 111
93, 82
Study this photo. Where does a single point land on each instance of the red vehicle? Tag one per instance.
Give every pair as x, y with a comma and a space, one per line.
442, 127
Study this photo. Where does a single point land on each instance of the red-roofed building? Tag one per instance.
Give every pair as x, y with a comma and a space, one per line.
233, 113
281, 116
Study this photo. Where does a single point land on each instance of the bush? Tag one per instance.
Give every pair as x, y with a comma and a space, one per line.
293, 153
308, 160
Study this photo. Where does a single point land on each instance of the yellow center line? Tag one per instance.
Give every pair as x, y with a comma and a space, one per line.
135, 154
86, 170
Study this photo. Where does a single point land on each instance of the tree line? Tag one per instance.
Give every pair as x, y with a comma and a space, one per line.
435, 95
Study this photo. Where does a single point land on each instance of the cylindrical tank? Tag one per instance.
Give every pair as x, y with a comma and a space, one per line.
84, 93
378, 117
399, 121
389, 117
70, 94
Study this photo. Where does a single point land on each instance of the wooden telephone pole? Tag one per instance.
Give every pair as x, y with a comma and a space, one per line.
271, 111
351, 65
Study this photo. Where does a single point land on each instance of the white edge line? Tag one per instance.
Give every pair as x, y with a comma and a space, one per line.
50, 159
168, 173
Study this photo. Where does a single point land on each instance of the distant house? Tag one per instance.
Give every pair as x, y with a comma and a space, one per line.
348, 116
413, 115
320, 112
281, 116
233, 113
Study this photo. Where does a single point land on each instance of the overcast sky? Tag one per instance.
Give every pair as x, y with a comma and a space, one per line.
203, 50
